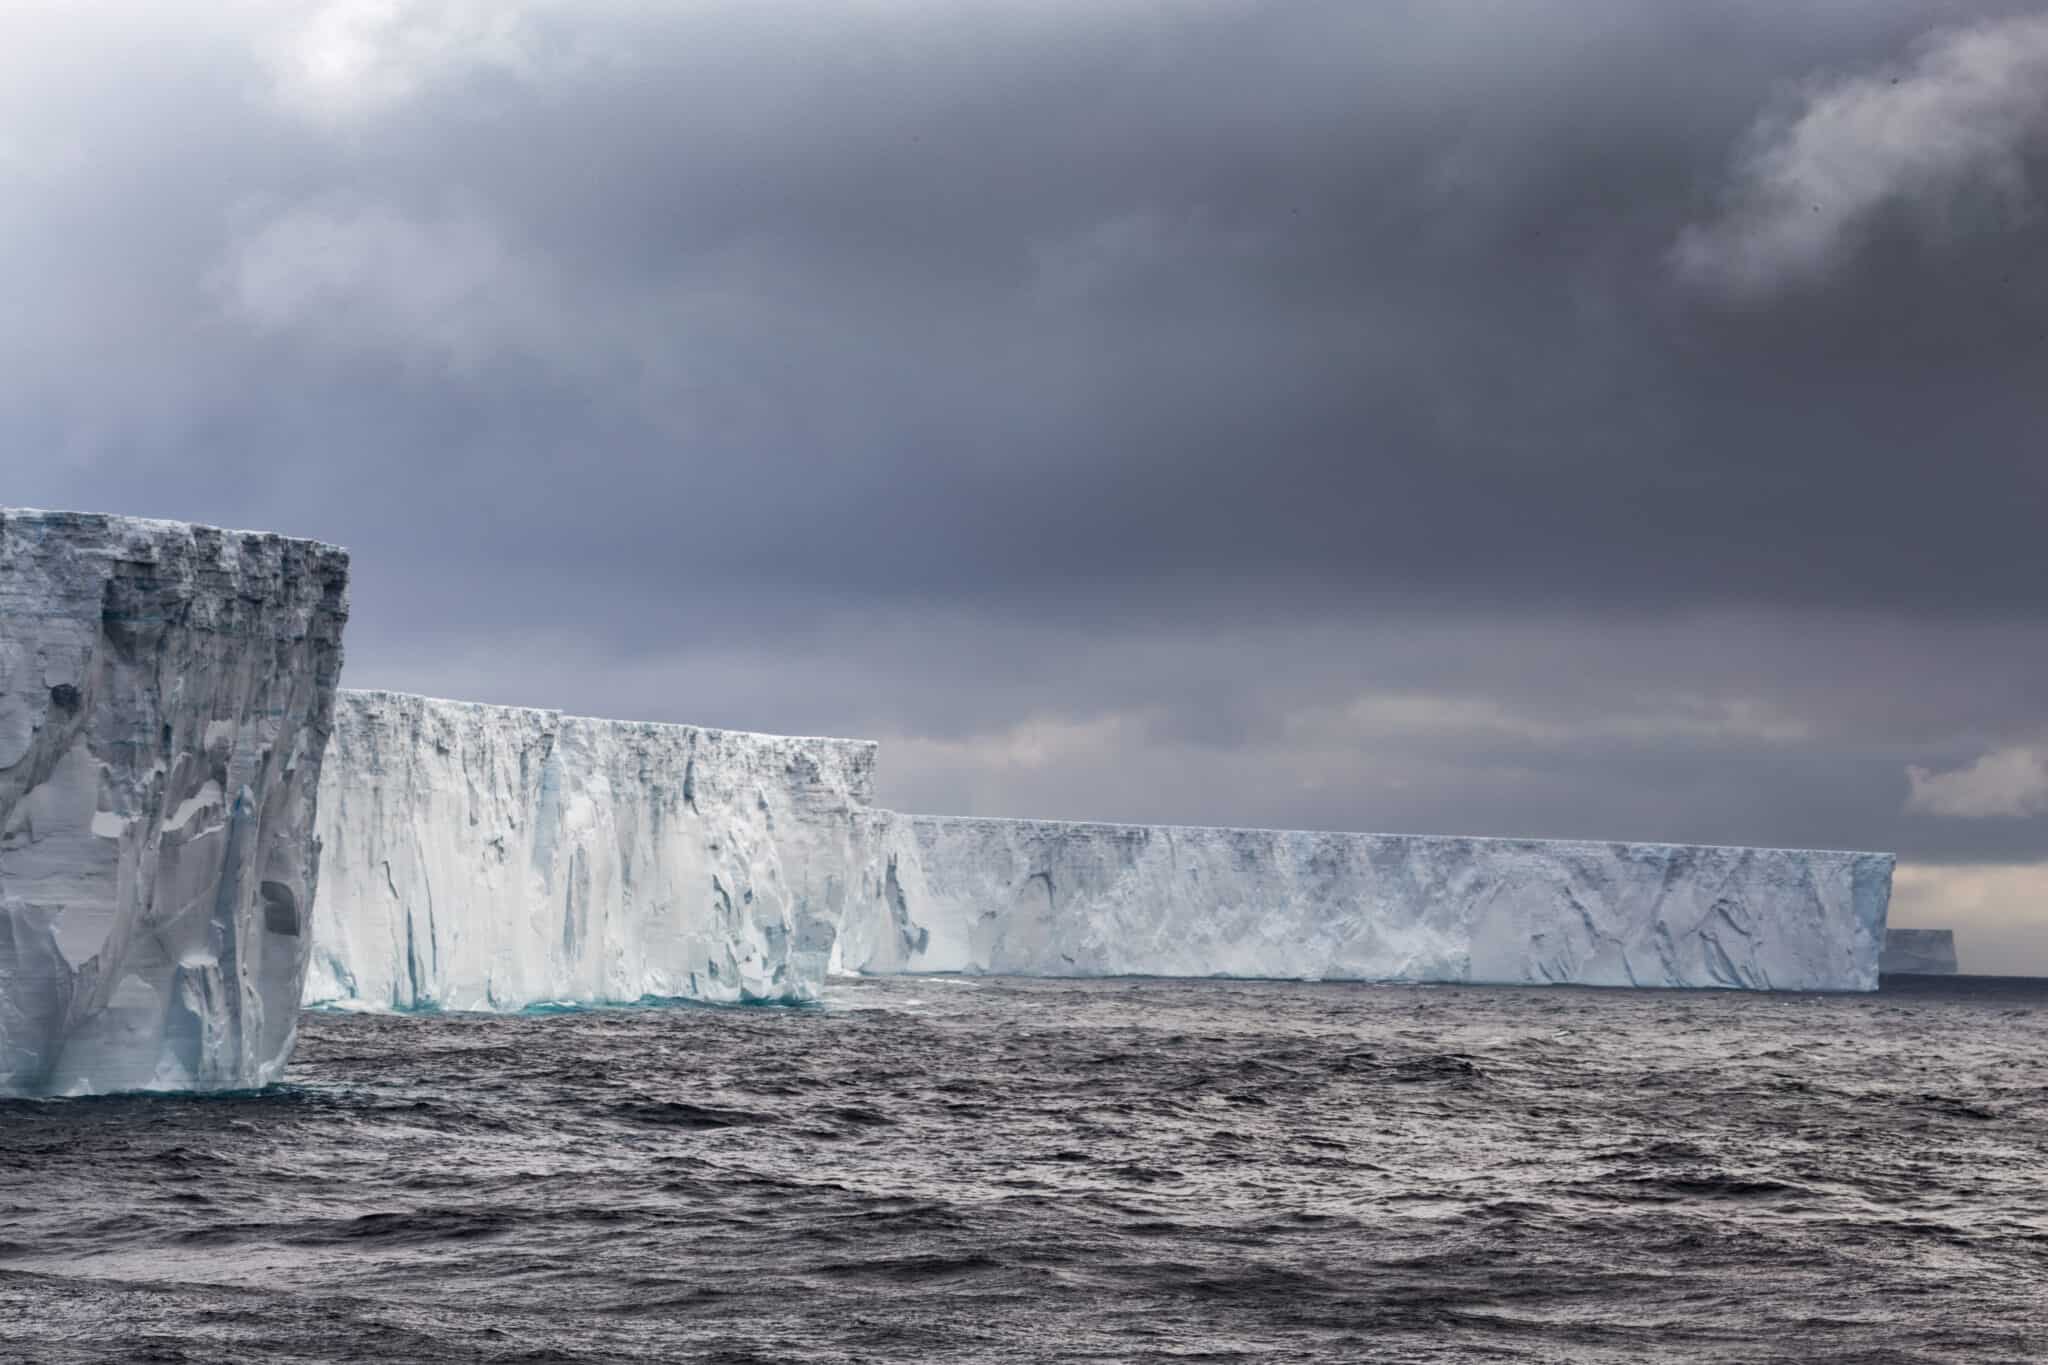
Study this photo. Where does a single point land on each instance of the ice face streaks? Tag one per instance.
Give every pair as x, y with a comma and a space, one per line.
494, 857
165, 694
484, 857
1039, 898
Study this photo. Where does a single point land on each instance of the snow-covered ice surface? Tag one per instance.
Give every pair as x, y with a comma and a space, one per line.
1040, 898
165, 693
1928, 952
495, 858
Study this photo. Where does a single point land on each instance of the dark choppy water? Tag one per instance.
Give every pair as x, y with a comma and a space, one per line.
1058, 1171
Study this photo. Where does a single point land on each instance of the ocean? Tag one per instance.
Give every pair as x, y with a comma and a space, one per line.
955, 1169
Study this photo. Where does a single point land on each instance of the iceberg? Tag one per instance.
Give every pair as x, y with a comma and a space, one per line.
165, 693
493, 858
1043, 898
496, 858
1926, 952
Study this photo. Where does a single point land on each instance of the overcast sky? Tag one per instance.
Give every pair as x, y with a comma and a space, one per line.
1593, 418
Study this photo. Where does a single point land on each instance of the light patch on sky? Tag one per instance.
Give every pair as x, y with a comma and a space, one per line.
2007, 783
1953, 124
347, 60
445, 292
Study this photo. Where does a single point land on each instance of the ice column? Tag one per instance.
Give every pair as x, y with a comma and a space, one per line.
165, 697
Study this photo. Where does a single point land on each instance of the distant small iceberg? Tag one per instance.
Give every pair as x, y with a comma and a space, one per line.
1922, 952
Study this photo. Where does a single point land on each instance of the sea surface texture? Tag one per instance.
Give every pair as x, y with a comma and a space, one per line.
950, 1169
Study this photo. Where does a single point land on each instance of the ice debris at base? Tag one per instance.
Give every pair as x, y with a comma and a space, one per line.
494, 858
165, 692
1928, 952
1040, 898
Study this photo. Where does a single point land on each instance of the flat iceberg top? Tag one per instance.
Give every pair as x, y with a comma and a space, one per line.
417, 703
1103, 829
141, 530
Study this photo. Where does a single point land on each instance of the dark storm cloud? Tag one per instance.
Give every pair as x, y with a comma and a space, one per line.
1342, 300
1399, 414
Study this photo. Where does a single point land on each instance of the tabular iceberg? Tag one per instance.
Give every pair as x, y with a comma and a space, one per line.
495, 857
1928, 952
1040, 898
489, 857
165, 693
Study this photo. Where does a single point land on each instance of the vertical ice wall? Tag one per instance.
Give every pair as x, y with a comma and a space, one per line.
1040, 898
485, 857
165, 693
495, 857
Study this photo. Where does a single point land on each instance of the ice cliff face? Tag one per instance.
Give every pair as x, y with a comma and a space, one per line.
1038, 898
485, 857
165, 693
1930, 952
492, 857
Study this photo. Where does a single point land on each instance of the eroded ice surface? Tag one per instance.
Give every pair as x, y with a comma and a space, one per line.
1039, 898
165, 692
493, 857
